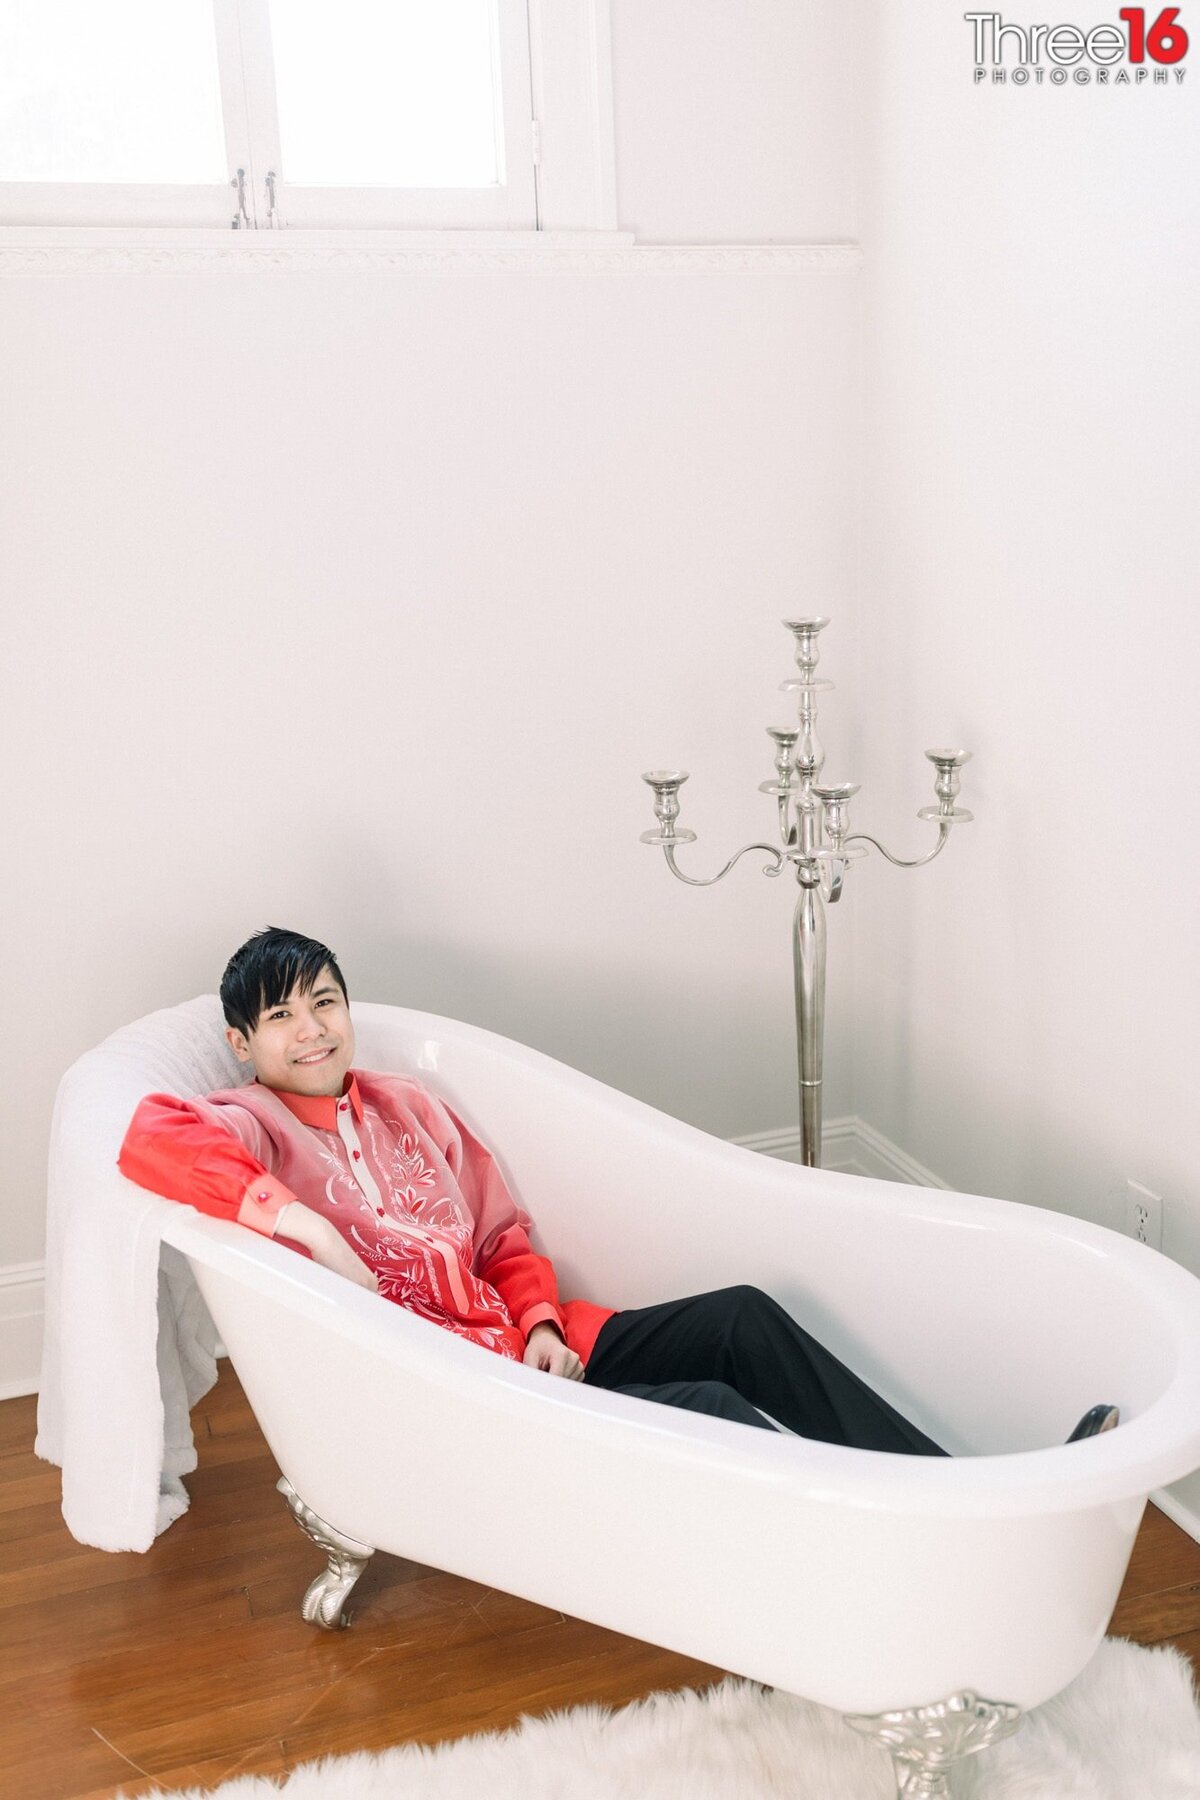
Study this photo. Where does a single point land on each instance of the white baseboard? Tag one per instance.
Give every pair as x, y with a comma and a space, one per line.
22, 1288
1186, 1517
852, 1147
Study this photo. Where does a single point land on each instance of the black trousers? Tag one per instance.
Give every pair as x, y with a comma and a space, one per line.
736, 1349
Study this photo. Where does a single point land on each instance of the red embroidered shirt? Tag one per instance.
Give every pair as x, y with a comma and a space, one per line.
416, 1196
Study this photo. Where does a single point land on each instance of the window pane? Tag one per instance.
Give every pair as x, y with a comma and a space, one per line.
375, 94
109, 90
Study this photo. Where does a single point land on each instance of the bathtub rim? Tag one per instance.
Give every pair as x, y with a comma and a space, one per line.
1123, 1465
1150, 1270
1159, 1446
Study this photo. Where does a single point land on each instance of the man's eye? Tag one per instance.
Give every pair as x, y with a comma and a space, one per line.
277, 1015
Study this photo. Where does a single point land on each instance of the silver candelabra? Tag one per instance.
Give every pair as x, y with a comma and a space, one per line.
814, 832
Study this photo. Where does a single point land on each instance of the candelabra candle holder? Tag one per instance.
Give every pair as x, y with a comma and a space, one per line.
815, 841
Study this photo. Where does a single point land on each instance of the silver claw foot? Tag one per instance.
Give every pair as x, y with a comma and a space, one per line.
326, 1597
925, 1740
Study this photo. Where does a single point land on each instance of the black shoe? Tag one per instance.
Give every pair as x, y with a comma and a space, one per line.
1100, 1418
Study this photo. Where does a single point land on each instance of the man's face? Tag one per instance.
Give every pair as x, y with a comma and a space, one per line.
305, 1044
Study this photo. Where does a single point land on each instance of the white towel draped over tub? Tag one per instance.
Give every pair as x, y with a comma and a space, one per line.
129, 1344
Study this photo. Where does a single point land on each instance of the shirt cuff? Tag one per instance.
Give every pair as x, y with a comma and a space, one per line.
262, 1202
538, 1315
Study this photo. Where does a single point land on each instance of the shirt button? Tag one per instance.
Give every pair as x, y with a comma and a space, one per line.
263, 1196
356, 1154
343, 1106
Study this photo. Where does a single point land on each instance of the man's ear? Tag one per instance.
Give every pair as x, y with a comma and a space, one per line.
237, 1043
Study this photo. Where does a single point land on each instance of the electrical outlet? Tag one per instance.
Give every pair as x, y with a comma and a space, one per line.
1143, 1215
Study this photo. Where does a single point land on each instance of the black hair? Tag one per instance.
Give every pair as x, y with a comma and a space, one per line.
266, 970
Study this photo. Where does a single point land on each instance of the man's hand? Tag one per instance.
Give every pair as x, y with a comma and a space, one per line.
544, 1349
325, 1243
333, 1252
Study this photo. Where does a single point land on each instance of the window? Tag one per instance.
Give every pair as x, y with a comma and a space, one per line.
290, 114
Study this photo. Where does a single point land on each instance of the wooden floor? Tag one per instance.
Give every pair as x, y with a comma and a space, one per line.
190, 1664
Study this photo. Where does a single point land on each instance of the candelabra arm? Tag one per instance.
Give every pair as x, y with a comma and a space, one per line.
694, 881
861, 837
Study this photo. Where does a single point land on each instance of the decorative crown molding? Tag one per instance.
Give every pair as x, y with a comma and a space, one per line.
89, 250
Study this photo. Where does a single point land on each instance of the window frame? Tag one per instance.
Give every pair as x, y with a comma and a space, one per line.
507, 205
566, 96
139, 204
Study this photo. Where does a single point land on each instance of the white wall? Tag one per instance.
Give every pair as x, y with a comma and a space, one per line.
359, 603
737, 123
1026, 1008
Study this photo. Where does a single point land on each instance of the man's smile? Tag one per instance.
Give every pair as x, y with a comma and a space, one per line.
316, 1056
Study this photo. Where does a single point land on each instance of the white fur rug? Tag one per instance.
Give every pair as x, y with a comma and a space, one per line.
1128, 1728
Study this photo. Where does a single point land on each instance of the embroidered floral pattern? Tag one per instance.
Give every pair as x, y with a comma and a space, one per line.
410, 1170
421, 1246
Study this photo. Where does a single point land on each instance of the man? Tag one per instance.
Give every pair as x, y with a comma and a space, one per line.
377, 1179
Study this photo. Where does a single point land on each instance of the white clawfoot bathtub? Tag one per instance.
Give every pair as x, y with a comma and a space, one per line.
865, 1581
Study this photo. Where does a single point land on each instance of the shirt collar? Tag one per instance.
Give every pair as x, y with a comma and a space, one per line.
321, 1109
